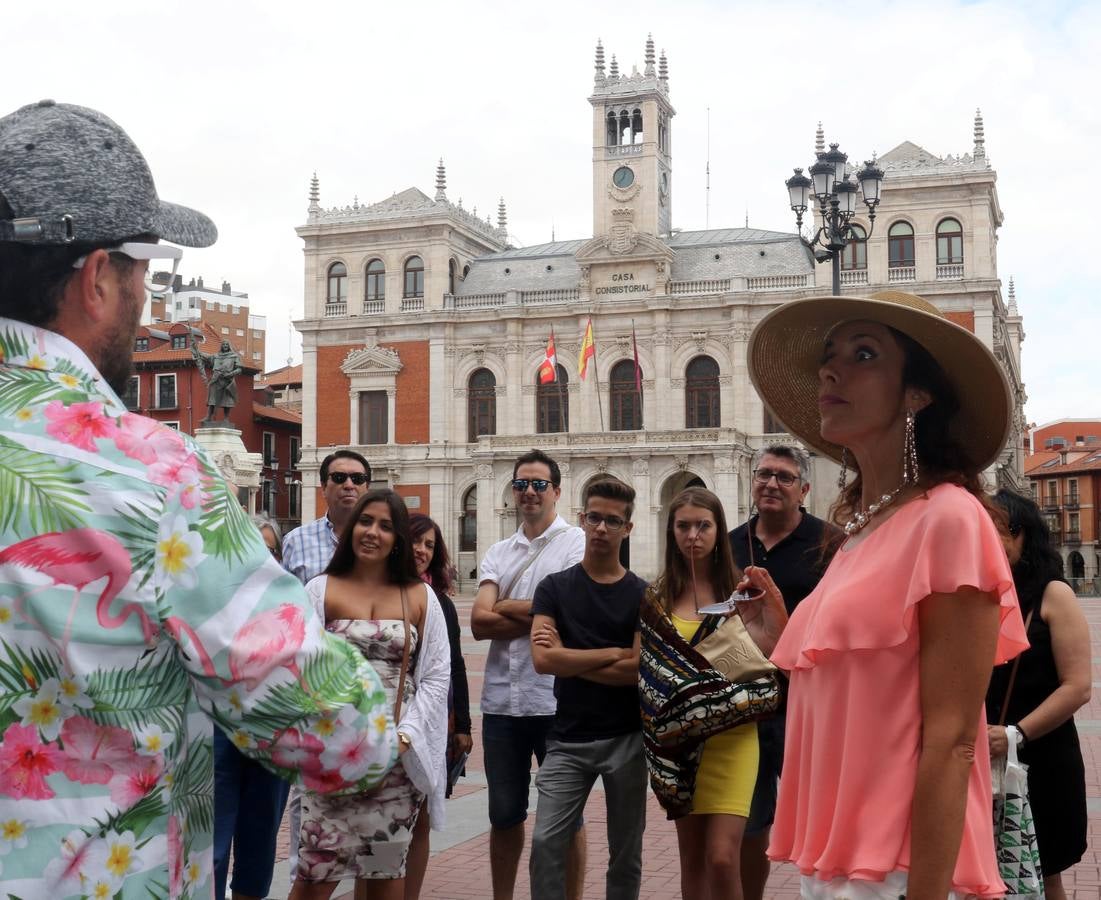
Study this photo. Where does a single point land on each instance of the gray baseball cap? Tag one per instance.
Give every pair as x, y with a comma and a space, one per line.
69, 173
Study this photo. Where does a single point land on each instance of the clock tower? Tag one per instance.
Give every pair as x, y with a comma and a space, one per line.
632, 149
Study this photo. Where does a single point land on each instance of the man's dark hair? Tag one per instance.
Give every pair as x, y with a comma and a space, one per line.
400, 564
344, 454
612, 489
33, 276
538, 456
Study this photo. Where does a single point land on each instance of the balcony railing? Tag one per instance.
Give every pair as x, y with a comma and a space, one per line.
551, 295
897, 274
335, 310
776, 282
854, 276
950, 272
1051, 503
374, 307
1073, 537
473, 301
1071, 501
703, 286
412, 304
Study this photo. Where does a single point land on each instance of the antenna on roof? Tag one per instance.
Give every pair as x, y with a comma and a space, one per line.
707, 171
552, 231
747, 217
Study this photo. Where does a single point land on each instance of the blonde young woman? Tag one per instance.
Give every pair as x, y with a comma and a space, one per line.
707, 794
886, 786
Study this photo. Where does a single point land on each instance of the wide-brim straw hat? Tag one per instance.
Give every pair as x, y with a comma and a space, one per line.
785, 353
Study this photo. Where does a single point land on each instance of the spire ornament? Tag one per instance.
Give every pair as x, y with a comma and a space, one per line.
614, 73
649, 70
1012, 297
819, 140
315, 194
980, 139
502, 217
599, 61
663, 68
441, 181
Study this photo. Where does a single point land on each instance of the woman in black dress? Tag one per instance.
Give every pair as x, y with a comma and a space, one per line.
1052, 683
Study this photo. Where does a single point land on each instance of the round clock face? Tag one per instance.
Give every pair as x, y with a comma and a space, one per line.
623, 177
664, 186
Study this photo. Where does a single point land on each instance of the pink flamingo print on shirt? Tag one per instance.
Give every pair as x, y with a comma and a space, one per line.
76, 559
267, 641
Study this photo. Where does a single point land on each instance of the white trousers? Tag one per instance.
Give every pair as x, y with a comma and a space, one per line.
893, 887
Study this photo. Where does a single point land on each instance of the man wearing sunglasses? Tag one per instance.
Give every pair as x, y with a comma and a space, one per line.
518, 705
795, 548
345, 477
586, 634
139, 606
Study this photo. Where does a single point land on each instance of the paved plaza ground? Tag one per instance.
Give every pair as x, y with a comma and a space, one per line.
459, 867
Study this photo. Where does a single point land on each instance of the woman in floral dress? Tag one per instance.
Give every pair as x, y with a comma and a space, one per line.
369, 594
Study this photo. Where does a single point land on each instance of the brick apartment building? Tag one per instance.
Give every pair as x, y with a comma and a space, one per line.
1064, 473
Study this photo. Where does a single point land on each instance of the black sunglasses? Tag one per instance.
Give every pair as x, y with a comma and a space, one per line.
341, 477
521, 484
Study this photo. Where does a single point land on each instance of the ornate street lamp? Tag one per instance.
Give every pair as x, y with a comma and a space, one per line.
831, 187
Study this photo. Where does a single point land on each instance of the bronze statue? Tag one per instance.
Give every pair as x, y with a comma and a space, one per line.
221, 388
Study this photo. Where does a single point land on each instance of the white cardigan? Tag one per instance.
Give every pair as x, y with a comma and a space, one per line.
424, 720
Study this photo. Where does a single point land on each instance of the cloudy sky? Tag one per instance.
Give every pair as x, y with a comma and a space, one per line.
237, 103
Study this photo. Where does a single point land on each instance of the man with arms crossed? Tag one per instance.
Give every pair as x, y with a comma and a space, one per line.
585, 633
518, 704
788, 542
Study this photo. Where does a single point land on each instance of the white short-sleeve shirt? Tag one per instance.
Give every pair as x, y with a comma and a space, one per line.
511, 686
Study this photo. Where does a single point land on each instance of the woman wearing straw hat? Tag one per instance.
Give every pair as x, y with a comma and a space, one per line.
886, 784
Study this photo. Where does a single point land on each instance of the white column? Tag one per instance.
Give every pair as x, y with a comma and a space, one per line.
644, 561
391, 414
662, 402
439, 388
309, 415
487, 517
744, 397
726, 487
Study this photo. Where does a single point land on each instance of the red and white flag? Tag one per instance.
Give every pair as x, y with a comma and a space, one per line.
548, 368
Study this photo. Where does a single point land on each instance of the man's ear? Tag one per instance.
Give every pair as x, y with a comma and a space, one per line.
804, 490
90, 294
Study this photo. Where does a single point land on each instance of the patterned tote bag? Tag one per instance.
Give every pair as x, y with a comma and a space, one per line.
1014, 831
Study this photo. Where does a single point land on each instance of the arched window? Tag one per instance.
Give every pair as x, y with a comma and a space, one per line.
481, 404
900, 245
636, 127
451, 276
468, 524
855, 254
625, 128
337, 291
626, 404
613, 130
701, 393
552, 404
414, 277
949, 243
376, 280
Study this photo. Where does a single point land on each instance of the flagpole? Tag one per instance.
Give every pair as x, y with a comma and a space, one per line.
562, 409
638, 376
596, 380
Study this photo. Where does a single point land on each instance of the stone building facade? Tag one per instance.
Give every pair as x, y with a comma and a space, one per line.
424, 327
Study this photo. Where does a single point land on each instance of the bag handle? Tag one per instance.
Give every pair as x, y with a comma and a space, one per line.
504, 595
1013, 674
404, 656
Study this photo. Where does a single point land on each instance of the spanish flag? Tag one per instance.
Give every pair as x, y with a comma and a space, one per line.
588, 350
548, 368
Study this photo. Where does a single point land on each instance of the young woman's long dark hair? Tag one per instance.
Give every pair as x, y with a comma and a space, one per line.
440, 572
942, 457
677, 575
400, 565
1040, 563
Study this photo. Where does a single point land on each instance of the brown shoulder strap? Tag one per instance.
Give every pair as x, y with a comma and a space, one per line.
404, 656
1013, 673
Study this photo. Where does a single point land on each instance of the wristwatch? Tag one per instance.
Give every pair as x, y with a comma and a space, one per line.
1023, 738
1014, 733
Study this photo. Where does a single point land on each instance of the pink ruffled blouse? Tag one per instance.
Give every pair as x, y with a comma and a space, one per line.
854, 713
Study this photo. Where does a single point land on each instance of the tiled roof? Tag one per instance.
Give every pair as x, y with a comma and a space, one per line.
285, 376
210, 343
1046, 463
276, 413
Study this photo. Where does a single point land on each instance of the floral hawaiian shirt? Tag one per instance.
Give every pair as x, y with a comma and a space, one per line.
139, 605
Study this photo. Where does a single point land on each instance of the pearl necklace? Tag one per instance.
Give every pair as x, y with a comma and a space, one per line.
857, 522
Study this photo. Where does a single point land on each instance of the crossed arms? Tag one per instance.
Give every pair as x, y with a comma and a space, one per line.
617, 666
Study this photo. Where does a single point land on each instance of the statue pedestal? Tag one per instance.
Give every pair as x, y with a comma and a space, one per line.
238, 466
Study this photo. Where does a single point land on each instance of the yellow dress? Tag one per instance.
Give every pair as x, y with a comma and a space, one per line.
728, 767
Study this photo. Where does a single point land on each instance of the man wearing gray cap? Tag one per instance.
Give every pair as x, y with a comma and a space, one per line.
138, 604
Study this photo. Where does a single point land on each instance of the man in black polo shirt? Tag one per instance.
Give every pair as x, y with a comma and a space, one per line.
788, 542
585, 632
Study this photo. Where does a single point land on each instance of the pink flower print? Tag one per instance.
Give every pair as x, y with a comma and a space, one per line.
349, 751
268, 640
174, 470
147, 440
94, 754
64, 873
294, 749
323, 781
175, 857
136, 781
79, 424
25, 763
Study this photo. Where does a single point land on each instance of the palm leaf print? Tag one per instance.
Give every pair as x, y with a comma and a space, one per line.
37, 493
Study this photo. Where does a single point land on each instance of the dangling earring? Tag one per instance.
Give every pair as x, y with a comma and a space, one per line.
909, 452
844, 468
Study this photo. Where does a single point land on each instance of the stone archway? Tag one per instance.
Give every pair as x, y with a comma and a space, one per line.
1077, 564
